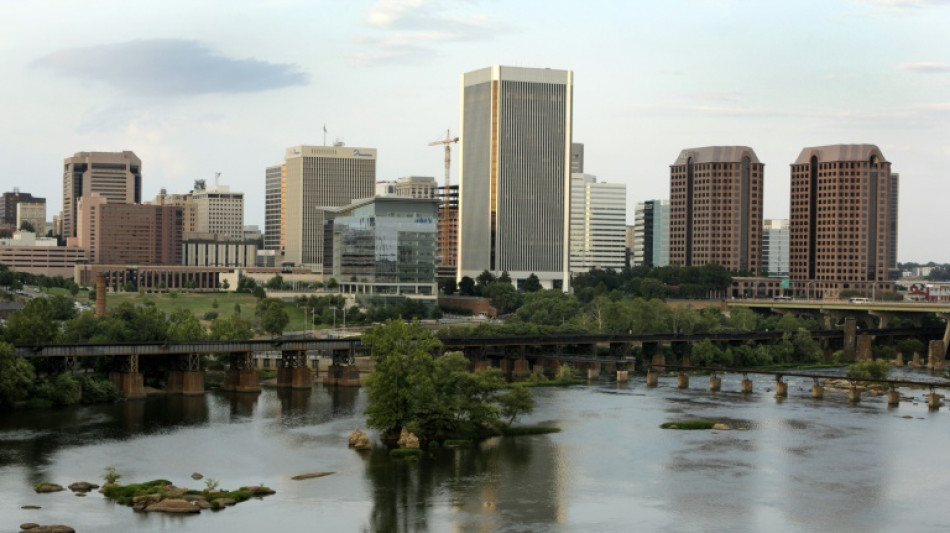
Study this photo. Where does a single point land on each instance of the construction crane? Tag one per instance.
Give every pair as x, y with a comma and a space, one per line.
445, 235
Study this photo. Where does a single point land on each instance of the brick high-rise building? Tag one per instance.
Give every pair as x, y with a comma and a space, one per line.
129, 234
115, 175
841, 222
716, 208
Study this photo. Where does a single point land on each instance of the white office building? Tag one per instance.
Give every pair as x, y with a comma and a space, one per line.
598, 224
775, 247
219, 211
515, 174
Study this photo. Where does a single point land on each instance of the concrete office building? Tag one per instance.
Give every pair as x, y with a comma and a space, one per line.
515, 174
317, 177
116, 176
33, 213
383, 245
212, 252
129, 233
716, 207
775, 247
26, 252
840, 225
9, 203
651, 234
409, 187
188, 212
219, 211
273, 206
577, 158
598, 224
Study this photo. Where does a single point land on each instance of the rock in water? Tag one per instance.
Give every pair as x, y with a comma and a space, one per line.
259, 490
355, 437
721, 427
173, 506
47, 487
29, 525
363, 443
412, 442
311, 475
54, 528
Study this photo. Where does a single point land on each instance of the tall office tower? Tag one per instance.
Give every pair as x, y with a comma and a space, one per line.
219, 211
447, 253
273, 202
515, 174
8, 206
33, 213
628, 244
115, 175
187, 204
598, 224
840, 220
893, 272
716, 207
651, 234
321, 176
577, 158
128, 234
775, 247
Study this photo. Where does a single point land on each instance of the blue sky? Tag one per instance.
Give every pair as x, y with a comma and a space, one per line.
197, 87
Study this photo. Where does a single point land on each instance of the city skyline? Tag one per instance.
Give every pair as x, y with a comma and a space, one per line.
649, 80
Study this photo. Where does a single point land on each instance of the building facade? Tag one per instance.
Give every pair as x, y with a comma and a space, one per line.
893, 271
716, 208
9, 203
577, 158
448, 231
128, 233
840, 220
317, 177
775, 247
274, 206
116, 176
598, 224
651, 234
33, 213
383, 245
211, 252
515, 174
188, 212
219, 211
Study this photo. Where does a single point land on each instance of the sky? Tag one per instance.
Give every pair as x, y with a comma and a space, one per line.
196, 87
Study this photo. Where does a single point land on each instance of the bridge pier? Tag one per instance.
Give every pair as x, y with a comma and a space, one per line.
343, 371
936, 356
293, 372
715, 383
682, 381
933, 401
241, 375
128, 379
854, 393
817, 391
893, 398
850, 340
521, 369
623, 376
481, 364
746, 385
781, 388
864, 351
188, 379
653, 378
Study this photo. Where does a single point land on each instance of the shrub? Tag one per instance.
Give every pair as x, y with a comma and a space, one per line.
869, 370
689, 424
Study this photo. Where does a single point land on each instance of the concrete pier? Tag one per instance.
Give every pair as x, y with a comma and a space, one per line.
521, 369
293, 372
623, 376
854, 394
241, 376
933, 401
682, 381
817, 391
893, 398
715, 383
186, 382
781, 388
936, 356
130, 384
593, 373
653, 378
482, 365
343, 375
746, 386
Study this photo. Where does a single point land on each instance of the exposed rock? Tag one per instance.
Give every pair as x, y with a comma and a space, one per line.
29, 525
222, 502
722, 427
311, 475
173, 506
81, 494
907, 417
355, 437
30, 507
147, 498
259, 490
54, 528
83, 486
202, 504
47, 487
363, 443
174, 492
196, 475
408, 440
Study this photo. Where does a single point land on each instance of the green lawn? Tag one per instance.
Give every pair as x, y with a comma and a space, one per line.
201, 303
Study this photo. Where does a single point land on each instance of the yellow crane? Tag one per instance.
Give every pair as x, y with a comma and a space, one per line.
445, 235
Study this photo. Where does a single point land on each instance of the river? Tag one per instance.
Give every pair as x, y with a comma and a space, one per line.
802, 464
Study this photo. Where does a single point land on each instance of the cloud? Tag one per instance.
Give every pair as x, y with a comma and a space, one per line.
169, 68
925, 67
906, 4
407, 30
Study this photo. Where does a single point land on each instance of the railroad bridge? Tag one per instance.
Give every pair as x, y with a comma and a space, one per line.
516, 356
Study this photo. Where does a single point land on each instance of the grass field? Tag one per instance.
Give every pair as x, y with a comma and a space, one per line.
201, 303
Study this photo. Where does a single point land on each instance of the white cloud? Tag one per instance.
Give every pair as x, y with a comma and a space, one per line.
925, 67
906, 4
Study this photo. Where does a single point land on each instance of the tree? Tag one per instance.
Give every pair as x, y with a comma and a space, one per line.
532, 284
183, 326
34, 324
274, 317
485, 279
503, 297
259, 292
467, 286
233, 328
225, 284
275, 283
908, 347
549, 308
26, 225
449, 286
16, 375
515, 402
332, 283
505, 277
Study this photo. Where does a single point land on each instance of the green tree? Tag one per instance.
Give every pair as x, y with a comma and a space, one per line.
505, 277
183, 326
467, 286
516, 402
34, 324
503, 297
549, 308
908, 347
449, 286
16, 375
275, 283
869, 369
274, 317
532, 284
225, 285
232, 328
26, 225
